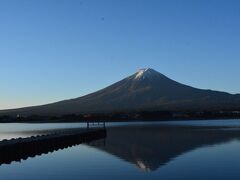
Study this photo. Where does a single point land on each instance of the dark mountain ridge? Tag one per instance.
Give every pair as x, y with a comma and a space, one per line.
146, 90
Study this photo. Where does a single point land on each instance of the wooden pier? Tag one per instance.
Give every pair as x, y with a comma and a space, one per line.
23, 148
96, 124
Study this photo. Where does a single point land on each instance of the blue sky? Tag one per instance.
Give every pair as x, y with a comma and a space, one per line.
58, 49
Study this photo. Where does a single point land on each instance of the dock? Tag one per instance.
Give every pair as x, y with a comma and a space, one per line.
22, 148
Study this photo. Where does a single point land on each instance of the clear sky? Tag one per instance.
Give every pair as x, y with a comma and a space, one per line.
52, 50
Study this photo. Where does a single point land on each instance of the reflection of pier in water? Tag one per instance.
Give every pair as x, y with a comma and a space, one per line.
23, 148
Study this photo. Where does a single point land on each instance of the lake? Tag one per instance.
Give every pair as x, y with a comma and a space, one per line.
165, 150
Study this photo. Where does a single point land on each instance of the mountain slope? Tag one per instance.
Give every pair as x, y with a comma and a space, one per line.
147, 89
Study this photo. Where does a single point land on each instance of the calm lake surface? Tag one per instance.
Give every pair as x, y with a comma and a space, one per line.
166, 150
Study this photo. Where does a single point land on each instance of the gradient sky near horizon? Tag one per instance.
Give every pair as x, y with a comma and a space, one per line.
52, 50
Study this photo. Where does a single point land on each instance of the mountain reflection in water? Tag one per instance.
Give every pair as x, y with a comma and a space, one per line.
151, 146
148, 146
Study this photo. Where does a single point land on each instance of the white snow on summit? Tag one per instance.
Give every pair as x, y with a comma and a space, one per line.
142, 73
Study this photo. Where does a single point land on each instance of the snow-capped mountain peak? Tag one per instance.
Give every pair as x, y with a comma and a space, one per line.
145, 90
143, 73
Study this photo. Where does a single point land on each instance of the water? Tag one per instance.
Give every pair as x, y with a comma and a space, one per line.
166, 150
15, 130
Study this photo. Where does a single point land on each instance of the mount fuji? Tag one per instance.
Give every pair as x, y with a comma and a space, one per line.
145, 90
